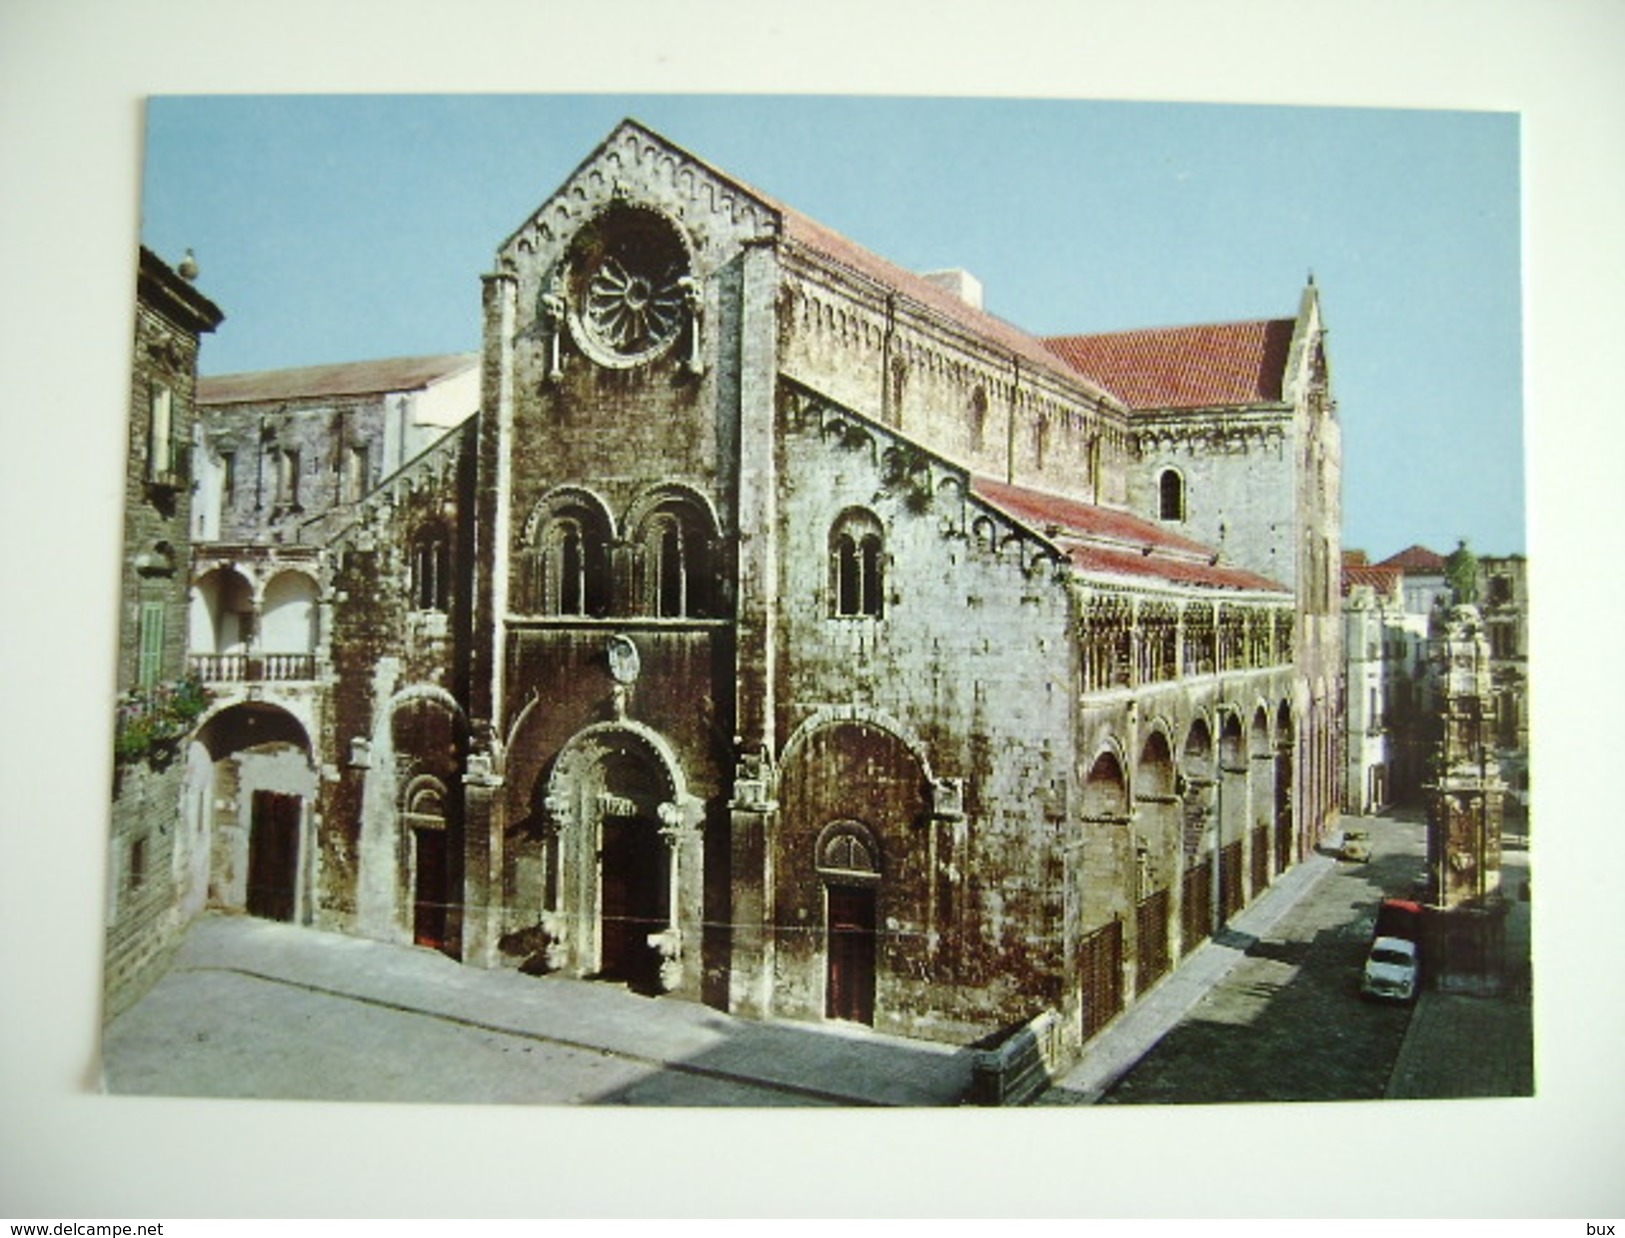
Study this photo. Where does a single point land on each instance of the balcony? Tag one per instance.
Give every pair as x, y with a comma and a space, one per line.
230, 668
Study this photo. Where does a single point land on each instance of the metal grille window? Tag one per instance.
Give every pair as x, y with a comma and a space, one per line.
1151, 925
1100, 960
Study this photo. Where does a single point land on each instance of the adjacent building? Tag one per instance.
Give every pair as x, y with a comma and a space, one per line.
149, 896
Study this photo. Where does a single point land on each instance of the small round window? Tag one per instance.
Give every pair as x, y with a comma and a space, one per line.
629, 272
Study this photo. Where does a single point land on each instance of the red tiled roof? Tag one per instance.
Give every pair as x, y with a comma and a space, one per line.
1415, 559
1185, 367
1101, 539
832, 245
1385, 580
349, 378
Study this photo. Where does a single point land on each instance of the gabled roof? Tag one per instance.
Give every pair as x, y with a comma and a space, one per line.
828, 243
1416, 559
1102, 539
1216, 365
1385, 581
349, 378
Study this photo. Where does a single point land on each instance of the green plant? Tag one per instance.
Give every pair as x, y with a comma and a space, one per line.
151, 720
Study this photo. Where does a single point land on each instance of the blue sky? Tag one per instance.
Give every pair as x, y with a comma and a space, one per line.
347, 227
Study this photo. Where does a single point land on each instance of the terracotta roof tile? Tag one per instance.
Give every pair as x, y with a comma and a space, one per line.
844, 252
1384, 580
1185, 367
349, 378
1415, 559
1102, 539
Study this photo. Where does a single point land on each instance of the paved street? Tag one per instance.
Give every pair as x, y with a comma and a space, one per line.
1269, 1011
1284, 1021
257, 1009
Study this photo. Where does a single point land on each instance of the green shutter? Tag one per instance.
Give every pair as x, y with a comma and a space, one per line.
150, 665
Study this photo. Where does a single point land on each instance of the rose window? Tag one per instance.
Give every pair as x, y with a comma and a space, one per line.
630, 272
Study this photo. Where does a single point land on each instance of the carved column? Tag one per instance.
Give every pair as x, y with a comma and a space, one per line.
753, 816
484, 823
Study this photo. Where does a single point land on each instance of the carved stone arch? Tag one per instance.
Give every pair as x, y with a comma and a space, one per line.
275, 570
589, 745
1285, 724
1106, 786
1259, 738
1196, 755
560, 497
565, 564
1155, 773
654, 496
1232, 740
1172, 494
985, 531
857, 564
425, 796
676, 543
866, 715
622, 893
429, 692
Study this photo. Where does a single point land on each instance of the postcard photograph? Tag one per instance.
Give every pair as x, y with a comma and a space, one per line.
822, 601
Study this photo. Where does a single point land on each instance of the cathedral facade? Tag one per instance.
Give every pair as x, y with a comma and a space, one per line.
779, 630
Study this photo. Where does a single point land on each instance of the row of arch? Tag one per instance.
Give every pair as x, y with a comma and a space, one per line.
1113, 783
232, 615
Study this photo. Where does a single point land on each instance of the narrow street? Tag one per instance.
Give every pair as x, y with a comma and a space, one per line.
1287, 1023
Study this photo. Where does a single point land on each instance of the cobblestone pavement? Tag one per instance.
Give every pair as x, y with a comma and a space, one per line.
1286, 1022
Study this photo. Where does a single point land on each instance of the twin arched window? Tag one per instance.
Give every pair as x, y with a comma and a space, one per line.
571, 566
431, 570
666, 568
857, 565
674, 561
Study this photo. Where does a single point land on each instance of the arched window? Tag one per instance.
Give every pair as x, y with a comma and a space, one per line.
570, 566
857, 565
847, 852
1171, 495
978, 419
673, 575
431, 570
677, 578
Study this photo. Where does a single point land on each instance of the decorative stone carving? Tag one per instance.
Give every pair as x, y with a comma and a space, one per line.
622, 656
948, 799
630, 277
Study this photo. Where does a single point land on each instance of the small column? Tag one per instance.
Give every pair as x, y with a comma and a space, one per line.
484, 823
753, 820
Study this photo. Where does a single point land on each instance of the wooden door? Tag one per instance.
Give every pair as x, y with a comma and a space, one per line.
633, 901
429, 889
273, 855
850, 991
